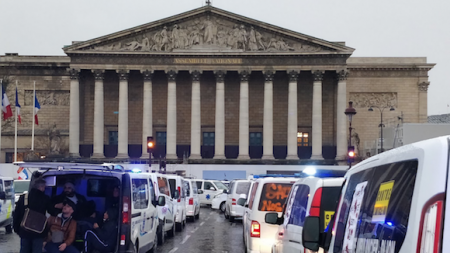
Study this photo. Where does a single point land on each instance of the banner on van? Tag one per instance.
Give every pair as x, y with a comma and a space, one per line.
352, 221
382, 202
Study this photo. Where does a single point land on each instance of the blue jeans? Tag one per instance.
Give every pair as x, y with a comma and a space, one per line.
51, 247
31, 245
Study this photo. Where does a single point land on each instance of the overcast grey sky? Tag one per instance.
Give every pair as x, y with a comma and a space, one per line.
406, 28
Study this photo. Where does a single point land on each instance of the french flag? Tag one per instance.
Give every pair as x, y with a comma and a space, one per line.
37, 107
18, 108
6, 107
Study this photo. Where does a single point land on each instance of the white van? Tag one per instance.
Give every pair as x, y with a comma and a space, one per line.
210, 188
166, 212
309, 196
268, 194
176, 185
7, 203
192, 200
20, 187
237, 187
136, 201
394, 202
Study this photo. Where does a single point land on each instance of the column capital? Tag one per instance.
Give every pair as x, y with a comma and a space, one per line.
342, 75
195, 75
318, 75
147, 74
220, 75
74, 74
423, 86
98, 74
268, 75
244, 74
171, 75
123, 74
293, 76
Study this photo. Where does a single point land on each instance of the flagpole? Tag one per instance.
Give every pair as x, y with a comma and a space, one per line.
34, 104
15, 132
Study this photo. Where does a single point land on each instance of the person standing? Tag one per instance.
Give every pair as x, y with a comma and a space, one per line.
62, 231
31, 242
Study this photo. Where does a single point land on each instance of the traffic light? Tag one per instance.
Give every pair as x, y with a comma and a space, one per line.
351, 154
150, 144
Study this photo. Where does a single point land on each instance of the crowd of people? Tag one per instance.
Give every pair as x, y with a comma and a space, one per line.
74, 224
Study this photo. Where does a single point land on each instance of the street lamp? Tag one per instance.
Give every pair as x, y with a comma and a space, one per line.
381, 109
350, 112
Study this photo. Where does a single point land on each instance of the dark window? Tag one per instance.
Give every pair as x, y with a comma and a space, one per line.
242, 187
209, 185
330, 198
9, 186
140, 193
252, 195
297, 213
209, 138
273, 197
302, 139
199, 184
187, 188
113, 137
256, 139
98, 187
398, 180
161, 138
151, 190
173, 185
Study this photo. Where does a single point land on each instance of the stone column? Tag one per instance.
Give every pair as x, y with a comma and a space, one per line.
423, 101
99, 115
243, 117
171, 145
292, 129
74, 120
317, 116
268, 116
341, 118
196, 127
147, 113
123, 115
219, 142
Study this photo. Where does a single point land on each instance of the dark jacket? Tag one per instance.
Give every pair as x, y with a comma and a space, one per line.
81, 205
37, 201
108, 232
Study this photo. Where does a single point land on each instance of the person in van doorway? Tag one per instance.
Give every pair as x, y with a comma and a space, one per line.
103, 239
69, 194
113, 201
31, 242
62, 231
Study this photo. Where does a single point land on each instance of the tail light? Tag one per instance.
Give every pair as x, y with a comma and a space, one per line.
233, 202
126, 210
315, 206
179, 194
122, 240
430, 232
255, 230
191, 201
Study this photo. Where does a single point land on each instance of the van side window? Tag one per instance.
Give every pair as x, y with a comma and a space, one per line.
273, 196
194, 188
140, 191
151, 189
390, 188
299, 205
1, 185
252, 195
242, 187
232, 185
199, 184
163, 186
9, 186
187, 188
209, 185
173, 185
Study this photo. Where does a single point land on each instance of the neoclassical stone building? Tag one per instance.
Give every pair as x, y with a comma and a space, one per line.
209, 83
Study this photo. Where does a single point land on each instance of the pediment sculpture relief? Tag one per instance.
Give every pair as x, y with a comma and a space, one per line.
209, 34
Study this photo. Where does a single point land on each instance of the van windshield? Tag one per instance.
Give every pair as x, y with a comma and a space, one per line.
20, 186
273, 196
220, 185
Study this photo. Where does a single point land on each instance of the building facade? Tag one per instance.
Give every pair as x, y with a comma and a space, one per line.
208, 83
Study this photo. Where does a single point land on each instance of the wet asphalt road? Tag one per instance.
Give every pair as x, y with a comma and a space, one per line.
211, 233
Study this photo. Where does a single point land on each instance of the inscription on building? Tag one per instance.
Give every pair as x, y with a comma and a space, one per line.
207, 61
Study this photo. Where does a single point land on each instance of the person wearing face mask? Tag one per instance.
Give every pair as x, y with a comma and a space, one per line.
68, 194
62, 231
103, 239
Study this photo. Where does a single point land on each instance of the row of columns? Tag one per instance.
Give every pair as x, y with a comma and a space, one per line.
171, 132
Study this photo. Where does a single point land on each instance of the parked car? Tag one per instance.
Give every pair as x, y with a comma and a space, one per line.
137, 201
20, 187
7, 204
218, 202
314, 196
192, 200
210, 188
237, 187
268, 194
176, 185
394, 202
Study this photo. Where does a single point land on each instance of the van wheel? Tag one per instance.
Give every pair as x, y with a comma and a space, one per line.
9, 229
226, 215
137, 247
197, 216
161, 234
222, 207
231, 218
179, 227
171, 232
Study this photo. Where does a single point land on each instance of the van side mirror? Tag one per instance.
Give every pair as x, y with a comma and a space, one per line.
212, 188
225, 191
311, 233
272, 218
199, 191
2, 195
161, 201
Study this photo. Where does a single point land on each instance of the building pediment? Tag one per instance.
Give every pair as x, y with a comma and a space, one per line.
206, 30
